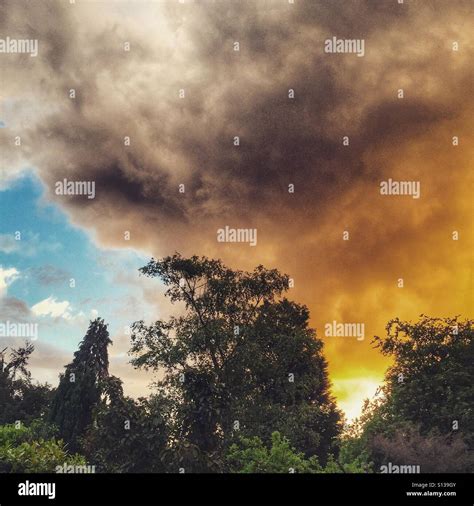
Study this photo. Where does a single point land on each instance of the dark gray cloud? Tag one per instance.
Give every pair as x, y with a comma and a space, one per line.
282, 141
227, 93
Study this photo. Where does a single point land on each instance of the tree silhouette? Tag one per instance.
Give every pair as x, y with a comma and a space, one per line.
81, 385
240, 361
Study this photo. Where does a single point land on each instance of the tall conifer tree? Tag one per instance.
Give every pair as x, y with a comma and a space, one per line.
81, 385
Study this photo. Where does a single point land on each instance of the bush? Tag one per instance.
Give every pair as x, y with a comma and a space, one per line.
251, 456
434, 453
33, 450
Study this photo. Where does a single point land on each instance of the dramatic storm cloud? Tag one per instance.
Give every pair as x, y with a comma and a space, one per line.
143, 97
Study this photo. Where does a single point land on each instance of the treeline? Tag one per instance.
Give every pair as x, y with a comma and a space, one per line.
244, 388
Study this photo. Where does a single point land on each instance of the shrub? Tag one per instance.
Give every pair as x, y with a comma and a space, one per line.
251, 456
33, 450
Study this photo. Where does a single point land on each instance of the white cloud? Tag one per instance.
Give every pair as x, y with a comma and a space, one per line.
27, 244
8, 244
52, 307
61, 309
7, 276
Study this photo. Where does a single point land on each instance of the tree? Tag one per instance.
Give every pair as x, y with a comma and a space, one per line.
425, 415
240, 361
20, 399
128, 436
81, 385
430, 382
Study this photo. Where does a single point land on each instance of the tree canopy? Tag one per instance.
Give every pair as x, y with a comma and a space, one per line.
81, 385
240, 360
425, 412
243, 387
20, 398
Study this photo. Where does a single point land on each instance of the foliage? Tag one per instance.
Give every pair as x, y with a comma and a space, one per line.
350, 458
241, 356
430, 383
80, 387
20, 433
26, 449
425, 415
252, 456
244, 389
20, 399
434, 453
127, 436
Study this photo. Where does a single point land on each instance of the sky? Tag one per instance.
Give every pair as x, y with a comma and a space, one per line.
52, 274
146, 99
